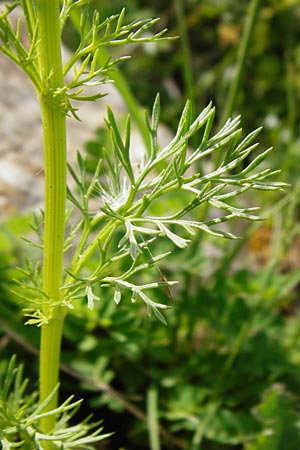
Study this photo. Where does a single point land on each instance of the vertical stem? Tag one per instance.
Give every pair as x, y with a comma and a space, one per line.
241, 58
54, 136
152, 418
186, 63
30, 16
135, 109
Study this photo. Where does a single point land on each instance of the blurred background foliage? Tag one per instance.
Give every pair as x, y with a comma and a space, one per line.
269, 91
224, 373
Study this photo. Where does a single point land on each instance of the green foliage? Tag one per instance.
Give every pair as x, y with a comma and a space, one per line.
223, 347
268, 93
20, 417
10, 256
127, 194
223, 373
93, 35
277, 412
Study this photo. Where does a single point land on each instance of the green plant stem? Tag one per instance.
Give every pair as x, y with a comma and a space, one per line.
54, 136
135, 109
240, 63
30, 17
79, 260
204, 424
186, 63
152, 418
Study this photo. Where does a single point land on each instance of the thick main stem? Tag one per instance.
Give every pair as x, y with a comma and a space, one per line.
54, 136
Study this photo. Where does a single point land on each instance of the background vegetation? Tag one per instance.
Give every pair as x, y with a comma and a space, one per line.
224, 373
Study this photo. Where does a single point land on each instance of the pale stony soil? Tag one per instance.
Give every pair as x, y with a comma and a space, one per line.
21, 151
